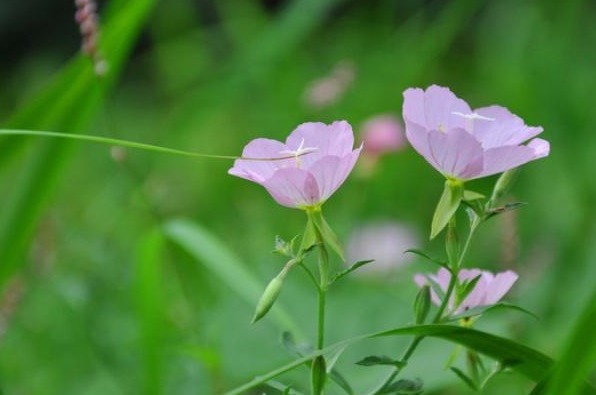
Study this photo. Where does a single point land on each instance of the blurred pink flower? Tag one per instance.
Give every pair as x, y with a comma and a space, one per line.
327, 90
321, 158
466, 144
489, 289
383, 241
382, 134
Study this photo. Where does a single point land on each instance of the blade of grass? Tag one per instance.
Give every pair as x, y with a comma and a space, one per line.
148, 293
69, 104
223, 263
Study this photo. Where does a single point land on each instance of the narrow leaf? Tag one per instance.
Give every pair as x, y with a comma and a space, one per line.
374, 360
503, 209
464, 377
350, 269
428, 257
403, 387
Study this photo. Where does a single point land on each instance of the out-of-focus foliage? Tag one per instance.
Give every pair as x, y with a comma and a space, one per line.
99, 300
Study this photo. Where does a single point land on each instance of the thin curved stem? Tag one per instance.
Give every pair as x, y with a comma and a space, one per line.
132, 144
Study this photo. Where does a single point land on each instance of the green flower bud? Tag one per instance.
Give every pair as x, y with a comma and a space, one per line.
503, 185
268, 298
318, 375
422, 304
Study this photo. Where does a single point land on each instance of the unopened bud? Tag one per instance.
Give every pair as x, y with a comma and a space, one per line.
422, 304
268, 297
503, 185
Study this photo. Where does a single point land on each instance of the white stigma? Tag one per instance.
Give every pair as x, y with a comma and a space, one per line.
473, 115
301, 150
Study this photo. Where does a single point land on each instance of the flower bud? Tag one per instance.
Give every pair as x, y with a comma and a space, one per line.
318, 375
422, 304
503, 185
268, 297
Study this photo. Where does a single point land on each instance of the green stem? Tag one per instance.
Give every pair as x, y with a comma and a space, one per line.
321, 320
324, 282
131, 144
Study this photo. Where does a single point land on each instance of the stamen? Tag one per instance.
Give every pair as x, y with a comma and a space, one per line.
299, 152
472, 115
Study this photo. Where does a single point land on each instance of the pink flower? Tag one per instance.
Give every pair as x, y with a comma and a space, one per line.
381, 134
466, 144
321, 158
489, 289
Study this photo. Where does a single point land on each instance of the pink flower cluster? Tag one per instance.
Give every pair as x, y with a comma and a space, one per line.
463, 143
489, 289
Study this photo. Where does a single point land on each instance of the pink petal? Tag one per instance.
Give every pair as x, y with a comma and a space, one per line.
293, 187
418, 138
505, 128
335, 139
440, 104
456, 154
434, 108
541, 148
498, 160
331, 171
259, 171
500, 285
477, 297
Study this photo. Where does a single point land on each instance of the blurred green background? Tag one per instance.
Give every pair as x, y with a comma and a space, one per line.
102, 292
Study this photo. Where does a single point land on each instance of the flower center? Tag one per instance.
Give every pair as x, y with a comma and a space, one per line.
301, 150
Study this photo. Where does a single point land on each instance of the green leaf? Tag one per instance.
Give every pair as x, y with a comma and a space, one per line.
527, 361
374, 360
579, 356
149, 295
464, 377
503, 209
68, 103
350, 269
523, 359
447, 206
403, 387
479, 310
428, 257
211, 252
